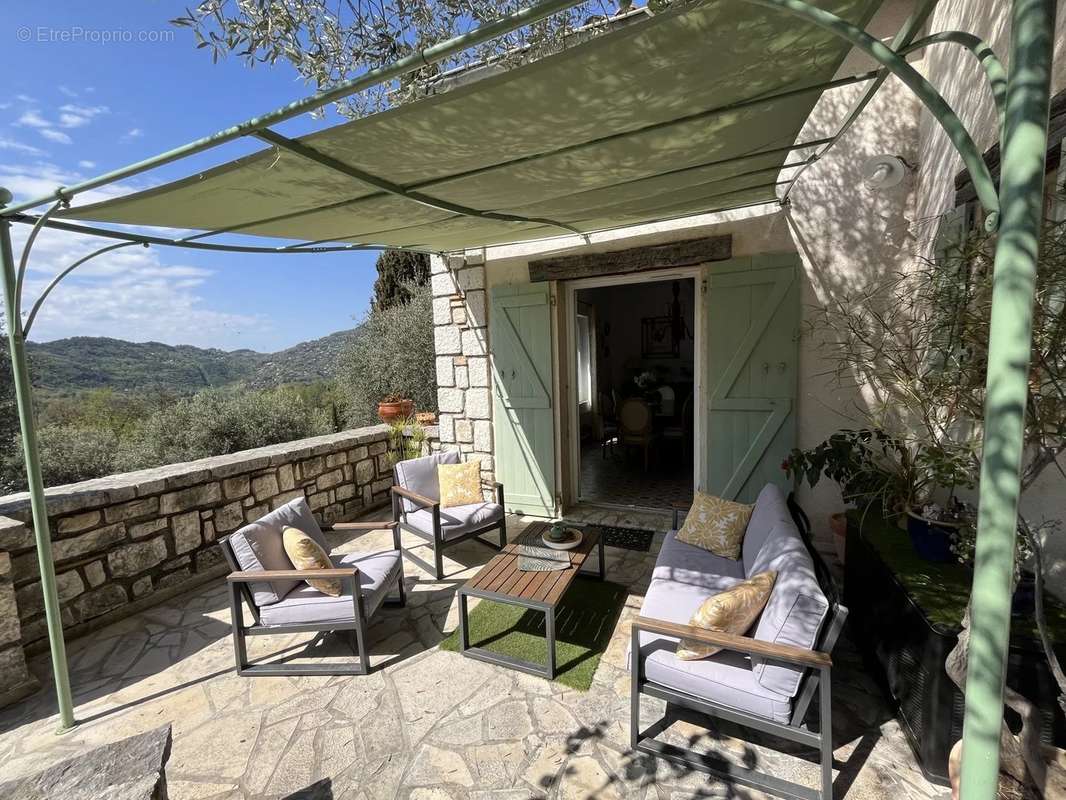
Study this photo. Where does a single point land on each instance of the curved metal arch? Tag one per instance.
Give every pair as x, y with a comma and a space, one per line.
986, 57
922, 88
20, 277
993, 68
55, 281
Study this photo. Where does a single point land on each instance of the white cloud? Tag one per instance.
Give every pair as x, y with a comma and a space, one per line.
25, 98
72, 116
87, 164
52, 135
131, 293
33, 119
19, 147
66, 90
133, 133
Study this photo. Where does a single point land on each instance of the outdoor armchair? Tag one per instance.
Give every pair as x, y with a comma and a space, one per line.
281, 601
416, 509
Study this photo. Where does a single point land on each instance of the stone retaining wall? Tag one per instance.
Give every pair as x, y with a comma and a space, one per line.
126, 541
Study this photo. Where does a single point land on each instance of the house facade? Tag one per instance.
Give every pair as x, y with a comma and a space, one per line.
511, 322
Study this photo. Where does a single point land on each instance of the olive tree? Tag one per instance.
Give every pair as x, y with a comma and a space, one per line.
392, 355
916, 345
329, 42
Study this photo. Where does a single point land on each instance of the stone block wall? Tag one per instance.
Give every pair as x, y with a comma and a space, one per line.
464, 383
126, 541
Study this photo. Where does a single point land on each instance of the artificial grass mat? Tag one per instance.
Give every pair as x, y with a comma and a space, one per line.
584, 621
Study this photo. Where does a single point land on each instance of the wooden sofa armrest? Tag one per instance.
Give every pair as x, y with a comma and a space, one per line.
292, 574
415, 497
739, 644
360, 526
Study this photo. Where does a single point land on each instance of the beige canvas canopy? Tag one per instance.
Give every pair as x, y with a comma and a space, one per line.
687, 112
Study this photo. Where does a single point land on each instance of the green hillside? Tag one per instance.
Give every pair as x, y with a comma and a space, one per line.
85, 362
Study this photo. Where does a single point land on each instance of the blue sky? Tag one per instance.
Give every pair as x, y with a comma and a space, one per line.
89, 87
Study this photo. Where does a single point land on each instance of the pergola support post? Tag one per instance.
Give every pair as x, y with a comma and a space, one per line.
41, 532
1024, 149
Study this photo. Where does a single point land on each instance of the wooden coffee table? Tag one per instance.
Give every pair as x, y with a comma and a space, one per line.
503, 582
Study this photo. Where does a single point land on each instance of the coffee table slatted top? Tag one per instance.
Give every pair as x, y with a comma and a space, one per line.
501, 576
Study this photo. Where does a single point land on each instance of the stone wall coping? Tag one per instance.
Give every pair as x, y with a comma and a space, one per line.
155, 480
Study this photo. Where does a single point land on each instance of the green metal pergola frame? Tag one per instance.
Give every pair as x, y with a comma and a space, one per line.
1014, 208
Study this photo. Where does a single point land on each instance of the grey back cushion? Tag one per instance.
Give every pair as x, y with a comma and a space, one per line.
796, 610
419, 475
258, 546
770, 509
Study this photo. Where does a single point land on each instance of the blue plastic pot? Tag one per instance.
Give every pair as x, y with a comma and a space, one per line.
931, 540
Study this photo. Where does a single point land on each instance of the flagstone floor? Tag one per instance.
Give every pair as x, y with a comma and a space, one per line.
426, 725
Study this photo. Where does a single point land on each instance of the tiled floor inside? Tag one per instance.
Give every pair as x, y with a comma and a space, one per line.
426, 724
618, 476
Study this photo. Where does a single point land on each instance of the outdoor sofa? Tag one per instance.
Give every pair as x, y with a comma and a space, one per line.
281, 601
764, 681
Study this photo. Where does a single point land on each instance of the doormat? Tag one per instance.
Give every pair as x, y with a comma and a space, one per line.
584, 622
638, 539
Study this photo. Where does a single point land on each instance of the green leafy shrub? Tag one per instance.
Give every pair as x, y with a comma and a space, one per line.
68, 453
217, 422
392, 356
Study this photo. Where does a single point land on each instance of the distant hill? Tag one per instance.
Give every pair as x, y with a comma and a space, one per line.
87, 362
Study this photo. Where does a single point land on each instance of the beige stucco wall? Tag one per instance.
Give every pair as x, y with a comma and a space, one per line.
847, 235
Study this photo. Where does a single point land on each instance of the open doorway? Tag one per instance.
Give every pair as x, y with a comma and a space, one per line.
636, 389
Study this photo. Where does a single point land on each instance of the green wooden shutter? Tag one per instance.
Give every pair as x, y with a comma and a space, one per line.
523, 423
752, 313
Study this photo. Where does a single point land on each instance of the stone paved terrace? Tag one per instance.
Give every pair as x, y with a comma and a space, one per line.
426, 725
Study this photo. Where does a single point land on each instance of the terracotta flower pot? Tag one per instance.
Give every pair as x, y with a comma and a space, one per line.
390, 411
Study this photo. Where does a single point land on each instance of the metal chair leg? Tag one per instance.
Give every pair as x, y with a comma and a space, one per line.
240, 652
825, 697
360, 632
503, 533
634, 689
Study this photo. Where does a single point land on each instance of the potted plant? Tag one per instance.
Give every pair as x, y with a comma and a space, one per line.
407, 438
393, 407
898, 477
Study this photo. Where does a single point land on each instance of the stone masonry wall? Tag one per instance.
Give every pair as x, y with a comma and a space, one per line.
127, 541
460, 333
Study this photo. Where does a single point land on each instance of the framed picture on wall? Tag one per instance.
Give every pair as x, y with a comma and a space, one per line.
656, 340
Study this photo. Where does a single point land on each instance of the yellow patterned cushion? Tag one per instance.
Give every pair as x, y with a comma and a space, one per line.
305, 553
460, 484
715, 524
732, 611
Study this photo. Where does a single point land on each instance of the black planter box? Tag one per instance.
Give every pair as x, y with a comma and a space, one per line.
905, 650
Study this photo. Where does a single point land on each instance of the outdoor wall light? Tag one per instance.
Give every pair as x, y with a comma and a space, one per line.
884, 172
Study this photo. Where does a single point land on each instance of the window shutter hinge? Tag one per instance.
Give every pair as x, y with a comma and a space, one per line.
551, 299
703, 286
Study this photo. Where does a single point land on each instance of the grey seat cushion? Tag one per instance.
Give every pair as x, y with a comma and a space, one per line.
796, 610
686, 563
378, 573
726, 678
258, 546
457, 520
419, 475
770, 509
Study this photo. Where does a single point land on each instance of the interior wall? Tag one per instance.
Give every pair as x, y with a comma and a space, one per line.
621, 310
